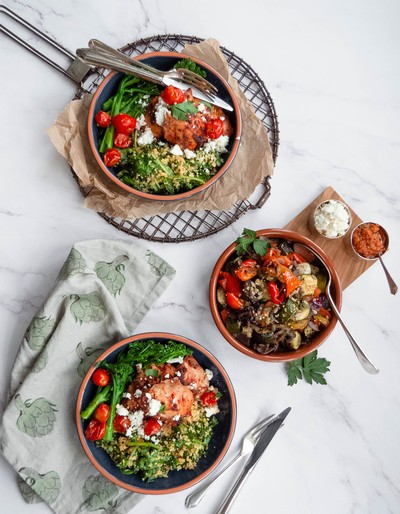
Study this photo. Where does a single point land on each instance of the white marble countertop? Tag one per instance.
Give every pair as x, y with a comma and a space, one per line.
333, 71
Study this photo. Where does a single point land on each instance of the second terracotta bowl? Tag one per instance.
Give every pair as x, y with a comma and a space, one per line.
279, 356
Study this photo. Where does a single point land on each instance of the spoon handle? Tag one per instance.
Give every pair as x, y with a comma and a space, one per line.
365, 362
392, 285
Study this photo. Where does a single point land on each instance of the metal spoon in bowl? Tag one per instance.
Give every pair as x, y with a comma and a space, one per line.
365, 362
392, 284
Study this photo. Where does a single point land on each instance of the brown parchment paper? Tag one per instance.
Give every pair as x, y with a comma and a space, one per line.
253, 161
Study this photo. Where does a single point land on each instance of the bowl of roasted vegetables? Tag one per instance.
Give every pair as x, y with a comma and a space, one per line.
156, 413
163, 143
267, 296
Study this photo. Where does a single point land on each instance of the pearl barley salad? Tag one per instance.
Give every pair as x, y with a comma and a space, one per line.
154, 410
162, 140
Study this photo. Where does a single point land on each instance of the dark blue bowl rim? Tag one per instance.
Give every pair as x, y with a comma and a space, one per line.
95, 106
164, 485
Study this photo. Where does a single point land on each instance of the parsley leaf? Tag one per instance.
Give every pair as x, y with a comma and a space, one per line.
181, 111
249, 238
310, 367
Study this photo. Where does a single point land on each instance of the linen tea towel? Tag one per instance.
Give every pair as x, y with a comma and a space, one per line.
102, 292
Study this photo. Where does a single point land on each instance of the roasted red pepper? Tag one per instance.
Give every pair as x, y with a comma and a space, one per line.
296, 257
234, 301
247, 270
275, 294
290, 280
230, 283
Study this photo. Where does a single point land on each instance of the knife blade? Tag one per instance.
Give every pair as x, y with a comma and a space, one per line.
261, 445
212, 99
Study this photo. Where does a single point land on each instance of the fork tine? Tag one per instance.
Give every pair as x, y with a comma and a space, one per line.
205, 84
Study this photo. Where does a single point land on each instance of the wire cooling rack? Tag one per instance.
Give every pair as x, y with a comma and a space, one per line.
171, 227
183, 226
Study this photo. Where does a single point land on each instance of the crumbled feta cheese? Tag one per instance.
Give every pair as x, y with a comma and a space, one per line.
154, 407
177, 417
121, 410
218, 144
176, 150
160, 111
138, 393
140, 122
178, 374
209, 374
136, 419
210, 411
189, 154
166, 376
176, 360
148, 396
127, 395
201, 107
332, 219
146, 137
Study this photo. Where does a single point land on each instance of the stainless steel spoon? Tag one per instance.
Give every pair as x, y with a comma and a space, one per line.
365, 362
392, 284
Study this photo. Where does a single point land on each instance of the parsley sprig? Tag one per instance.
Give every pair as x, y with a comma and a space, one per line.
310, 367
249, 240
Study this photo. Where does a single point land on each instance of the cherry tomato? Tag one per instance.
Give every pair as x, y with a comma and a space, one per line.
121, 424
102, 118
234, 301
123, 123
208, 399
173, 95
102, 412
112, 157
122, 140
151, 427
101, 377
95, 430
230, 283
214, 128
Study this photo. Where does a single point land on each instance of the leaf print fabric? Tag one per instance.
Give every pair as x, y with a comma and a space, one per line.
101, 294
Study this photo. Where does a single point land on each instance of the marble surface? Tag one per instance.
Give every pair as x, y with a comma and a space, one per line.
333, 71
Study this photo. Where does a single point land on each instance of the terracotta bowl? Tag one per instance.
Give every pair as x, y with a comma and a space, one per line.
280, 356
176, 480
164, 61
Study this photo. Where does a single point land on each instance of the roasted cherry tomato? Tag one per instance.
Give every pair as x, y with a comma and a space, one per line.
121, 424
230, 283
122, 140
209, 399
151, 427
102, 412
101, 377
173, 95
234, 301
102, 118
124, 124
297, 257
214, 128
95, 430
112, 157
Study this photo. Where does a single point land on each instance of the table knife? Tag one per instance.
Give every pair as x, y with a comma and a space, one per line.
255, 455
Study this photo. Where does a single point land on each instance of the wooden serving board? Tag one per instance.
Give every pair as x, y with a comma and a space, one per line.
348, 265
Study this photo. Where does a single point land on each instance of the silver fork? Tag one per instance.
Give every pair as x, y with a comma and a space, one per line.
248, 443
189, 77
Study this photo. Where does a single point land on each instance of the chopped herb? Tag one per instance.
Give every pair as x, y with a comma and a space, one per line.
249, 239
151, 372
310, 367
181, 111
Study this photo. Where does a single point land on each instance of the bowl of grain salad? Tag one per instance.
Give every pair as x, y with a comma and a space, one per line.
156, 413
163, 143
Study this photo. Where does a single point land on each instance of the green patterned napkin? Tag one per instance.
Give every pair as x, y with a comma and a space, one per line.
102, 292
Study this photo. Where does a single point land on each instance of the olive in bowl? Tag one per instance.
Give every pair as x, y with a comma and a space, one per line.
267, 295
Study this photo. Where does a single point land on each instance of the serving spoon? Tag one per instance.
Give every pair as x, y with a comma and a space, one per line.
365, 362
